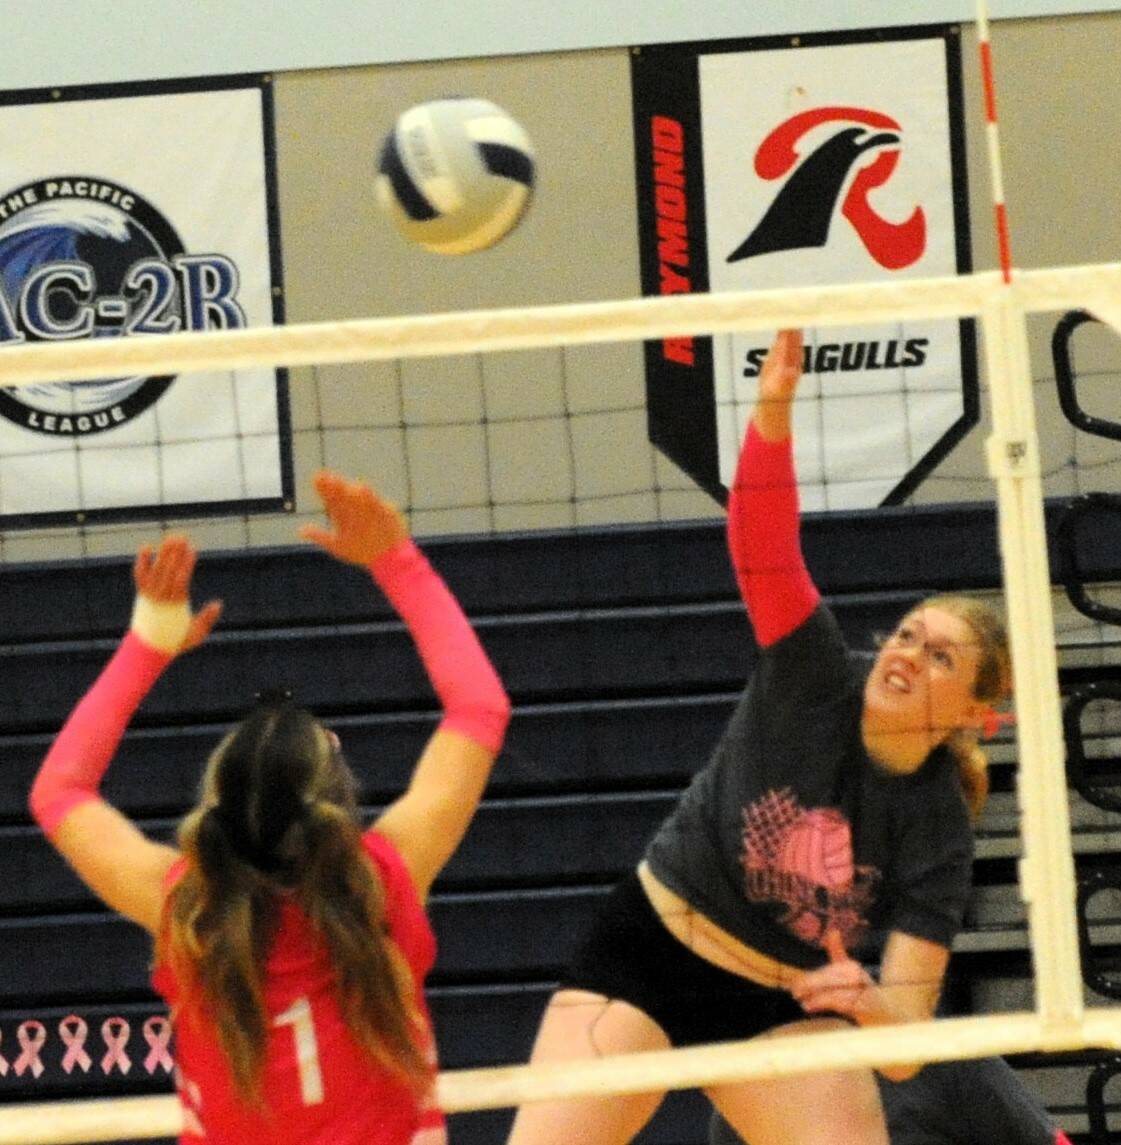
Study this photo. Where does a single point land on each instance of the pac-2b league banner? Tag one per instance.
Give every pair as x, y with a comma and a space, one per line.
126, 212
797, 162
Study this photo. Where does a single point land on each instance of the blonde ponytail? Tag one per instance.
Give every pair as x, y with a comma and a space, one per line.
973, 771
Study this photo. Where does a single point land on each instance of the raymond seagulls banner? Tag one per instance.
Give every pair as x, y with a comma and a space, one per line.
797, 162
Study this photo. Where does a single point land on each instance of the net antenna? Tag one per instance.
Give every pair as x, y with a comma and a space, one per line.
992, 135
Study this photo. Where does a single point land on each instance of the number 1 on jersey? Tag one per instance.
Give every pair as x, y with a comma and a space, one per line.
298, 1016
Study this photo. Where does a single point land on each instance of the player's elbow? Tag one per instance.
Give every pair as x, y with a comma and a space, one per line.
491, 720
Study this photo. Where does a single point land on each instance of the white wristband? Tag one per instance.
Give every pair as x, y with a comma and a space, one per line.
161, 624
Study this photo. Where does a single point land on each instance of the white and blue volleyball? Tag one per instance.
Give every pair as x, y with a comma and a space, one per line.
456, 175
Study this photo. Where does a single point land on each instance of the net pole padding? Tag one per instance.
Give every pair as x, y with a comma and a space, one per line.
626, 320
459, 1091
1047, 875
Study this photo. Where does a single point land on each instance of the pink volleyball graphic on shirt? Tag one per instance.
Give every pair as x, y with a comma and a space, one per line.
803, 860
819, 848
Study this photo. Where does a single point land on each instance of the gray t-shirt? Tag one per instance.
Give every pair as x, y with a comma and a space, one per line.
791, 829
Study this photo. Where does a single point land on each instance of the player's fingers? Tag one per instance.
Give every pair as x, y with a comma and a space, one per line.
174, 550
809, 997
834, 946
803, 985
211, 611
829, 1001
181, 571
317, 535
141, 566
325, 480
794, 352
202, 623
157, 575
826, 978
331, 489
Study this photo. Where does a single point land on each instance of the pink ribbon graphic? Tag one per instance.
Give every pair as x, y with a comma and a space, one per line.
157, 1033
73, 1030
115, 1033
31, 1036
3, 1059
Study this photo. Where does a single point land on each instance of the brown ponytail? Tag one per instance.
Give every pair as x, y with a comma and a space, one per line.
278, 814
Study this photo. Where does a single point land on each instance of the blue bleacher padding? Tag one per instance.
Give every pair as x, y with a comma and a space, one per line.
624, 650
512, 844
578, 568
525, 842
584, 655
532, 934
550, 748
494, 936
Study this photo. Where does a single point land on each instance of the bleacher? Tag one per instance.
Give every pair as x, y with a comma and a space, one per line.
623, 651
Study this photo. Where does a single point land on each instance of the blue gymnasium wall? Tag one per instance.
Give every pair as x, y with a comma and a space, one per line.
623, 650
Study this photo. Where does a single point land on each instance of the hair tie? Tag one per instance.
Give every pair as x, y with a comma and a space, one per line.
273, 697
993, 721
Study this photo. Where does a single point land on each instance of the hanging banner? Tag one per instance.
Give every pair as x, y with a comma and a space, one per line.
126, 212
797, 162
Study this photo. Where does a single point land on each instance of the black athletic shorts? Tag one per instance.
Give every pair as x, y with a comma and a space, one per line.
631, 956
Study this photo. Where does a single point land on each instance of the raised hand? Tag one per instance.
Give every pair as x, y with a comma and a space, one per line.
778, 379
163, 577
782, 368
363, 526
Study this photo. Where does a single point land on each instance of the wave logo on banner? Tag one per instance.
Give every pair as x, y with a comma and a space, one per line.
802, 213
82, 257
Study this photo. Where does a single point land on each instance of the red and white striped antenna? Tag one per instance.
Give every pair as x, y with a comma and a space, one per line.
992, 130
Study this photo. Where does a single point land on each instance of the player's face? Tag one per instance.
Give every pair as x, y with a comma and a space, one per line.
922, 681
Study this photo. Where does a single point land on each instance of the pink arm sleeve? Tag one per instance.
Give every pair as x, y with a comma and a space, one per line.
71, 773
1061, 1138
474, 701
763, 539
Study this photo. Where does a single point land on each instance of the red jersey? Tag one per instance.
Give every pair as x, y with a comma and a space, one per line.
319, 1086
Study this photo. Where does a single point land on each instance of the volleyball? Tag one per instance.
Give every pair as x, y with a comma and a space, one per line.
818, 848
455, 175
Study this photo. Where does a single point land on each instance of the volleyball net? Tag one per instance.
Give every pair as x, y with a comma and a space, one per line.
1059, 1020
544, 426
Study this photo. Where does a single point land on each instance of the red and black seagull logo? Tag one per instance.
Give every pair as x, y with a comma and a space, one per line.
802, 213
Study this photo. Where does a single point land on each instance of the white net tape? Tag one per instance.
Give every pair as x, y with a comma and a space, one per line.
1096, 288
1047, 867
944, 1040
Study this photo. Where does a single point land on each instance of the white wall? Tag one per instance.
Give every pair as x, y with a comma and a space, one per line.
63, 42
